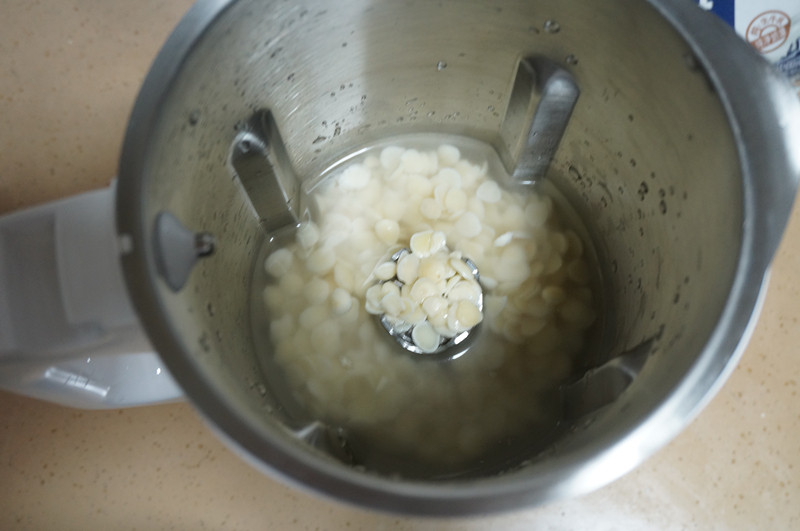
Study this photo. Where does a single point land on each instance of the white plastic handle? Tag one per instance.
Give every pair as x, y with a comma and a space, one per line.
68, 332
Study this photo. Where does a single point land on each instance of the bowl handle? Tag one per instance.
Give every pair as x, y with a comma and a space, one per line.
68, 332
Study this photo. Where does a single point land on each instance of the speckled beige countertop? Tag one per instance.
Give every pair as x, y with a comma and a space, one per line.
69, 72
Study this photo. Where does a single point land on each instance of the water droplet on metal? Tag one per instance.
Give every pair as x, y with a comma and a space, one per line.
441, 65
551, 26
571, 59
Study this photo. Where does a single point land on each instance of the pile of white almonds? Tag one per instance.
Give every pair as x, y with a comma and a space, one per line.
428, 291
326, 285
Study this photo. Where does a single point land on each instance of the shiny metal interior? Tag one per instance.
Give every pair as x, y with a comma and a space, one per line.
649, 156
